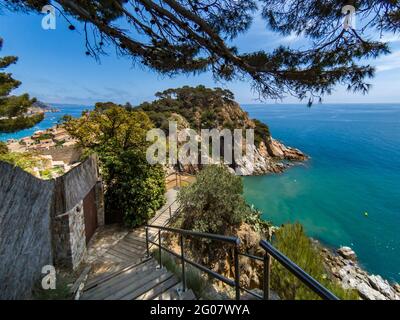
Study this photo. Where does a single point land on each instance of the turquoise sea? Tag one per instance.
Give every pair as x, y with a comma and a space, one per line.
354, 169
51, 119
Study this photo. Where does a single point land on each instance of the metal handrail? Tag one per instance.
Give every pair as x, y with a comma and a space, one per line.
167, 208
182, 233
309, 281
211, 236
270, 251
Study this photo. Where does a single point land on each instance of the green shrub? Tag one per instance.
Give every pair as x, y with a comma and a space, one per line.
25, 160
291, 240
253, 217
214, 203
137, 189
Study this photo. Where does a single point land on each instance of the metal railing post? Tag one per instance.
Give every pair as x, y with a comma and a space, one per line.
170, 212
159, 247
267, 276
183, 265
176, 178
237, 272
298, 272
147, 242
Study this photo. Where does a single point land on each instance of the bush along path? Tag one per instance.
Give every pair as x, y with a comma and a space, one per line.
125, 272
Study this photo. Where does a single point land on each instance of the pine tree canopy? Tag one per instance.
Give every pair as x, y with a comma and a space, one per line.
193, 36
13, 108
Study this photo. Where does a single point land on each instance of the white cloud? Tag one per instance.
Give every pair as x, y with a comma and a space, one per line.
291, 38
389, 62
389, 37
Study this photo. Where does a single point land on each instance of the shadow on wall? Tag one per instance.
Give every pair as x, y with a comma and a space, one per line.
45, 222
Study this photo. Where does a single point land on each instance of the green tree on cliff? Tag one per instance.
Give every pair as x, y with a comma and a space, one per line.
12, 108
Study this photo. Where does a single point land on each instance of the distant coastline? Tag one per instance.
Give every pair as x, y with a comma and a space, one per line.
53, 114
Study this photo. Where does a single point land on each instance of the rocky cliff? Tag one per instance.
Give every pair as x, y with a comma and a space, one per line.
203, 108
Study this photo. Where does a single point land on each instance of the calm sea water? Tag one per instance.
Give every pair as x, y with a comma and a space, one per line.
354, 169
49, 121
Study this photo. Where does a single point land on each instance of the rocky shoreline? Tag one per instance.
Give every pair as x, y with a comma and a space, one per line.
344, 266
273, 157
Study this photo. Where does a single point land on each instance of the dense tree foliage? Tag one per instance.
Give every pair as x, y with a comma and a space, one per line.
12, 108
20, 122
133, 187
291, 240
202, 108
178, 36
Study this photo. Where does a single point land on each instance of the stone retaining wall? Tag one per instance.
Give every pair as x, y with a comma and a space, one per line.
42, 223
68, 154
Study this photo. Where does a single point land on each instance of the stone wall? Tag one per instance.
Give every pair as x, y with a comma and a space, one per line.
77, 235
70, 190
69, 154
42, 223
25, 236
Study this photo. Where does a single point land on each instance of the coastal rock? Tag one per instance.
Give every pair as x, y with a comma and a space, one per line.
262, 163
367, 293
382, 286
249, 268
347, 253
279, 150
267, 161
275, 149
351, 276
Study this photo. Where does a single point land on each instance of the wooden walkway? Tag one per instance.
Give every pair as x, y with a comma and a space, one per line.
129, 274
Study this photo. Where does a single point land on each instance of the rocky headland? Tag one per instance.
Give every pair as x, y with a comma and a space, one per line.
203, 108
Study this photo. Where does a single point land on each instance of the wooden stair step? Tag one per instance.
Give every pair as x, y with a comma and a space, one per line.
129, 243
167, 279
141, 234
130, 253
159, 289
122, 255
112, 272
137, 285
138, 241
170, 294
120, 276
117, 285
188, 295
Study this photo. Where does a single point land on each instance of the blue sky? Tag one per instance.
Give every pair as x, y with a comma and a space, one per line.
54, 68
